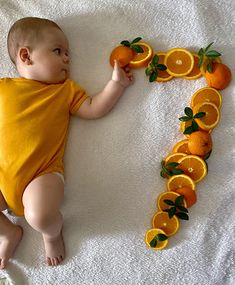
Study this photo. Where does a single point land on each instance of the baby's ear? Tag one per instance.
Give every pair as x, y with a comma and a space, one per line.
24, 55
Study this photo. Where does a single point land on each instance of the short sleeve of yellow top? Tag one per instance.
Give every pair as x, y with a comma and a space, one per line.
34, 120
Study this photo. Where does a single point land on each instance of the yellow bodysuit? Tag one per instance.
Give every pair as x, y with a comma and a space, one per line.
34, 118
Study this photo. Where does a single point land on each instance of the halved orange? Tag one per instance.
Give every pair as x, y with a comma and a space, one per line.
174, 157
163, 75
189, 194
206, 94
179, 62
203, 68
211, 119
181, 146
193, 166
142, 59
168, 195
152, 235
162, 221
196, 71
179, 181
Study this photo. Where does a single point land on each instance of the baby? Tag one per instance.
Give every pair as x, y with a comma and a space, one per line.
34, 117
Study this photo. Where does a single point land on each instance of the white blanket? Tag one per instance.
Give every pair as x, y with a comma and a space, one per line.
113, 164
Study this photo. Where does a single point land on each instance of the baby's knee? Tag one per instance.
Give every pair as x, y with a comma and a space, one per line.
39, 219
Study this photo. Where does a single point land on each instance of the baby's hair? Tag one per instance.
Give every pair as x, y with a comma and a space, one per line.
25, 32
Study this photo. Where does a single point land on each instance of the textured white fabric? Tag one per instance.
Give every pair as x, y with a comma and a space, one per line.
112, 164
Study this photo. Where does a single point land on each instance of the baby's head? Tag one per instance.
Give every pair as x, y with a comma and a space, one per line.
39, 49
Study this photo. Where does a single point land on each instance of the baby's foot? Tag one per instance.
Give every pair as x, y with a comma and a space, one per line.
54, 249
8, 244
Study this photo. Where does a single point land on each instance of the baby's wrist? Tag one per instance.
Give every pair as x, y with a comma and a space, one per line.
118, 83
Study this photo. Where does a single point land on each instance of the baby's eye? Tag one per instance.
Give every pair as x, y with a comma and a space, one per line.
57, 51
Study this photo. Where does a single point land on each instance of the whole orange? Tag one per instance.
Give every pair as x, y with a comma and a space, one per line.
122, 54
220, 77
200, 143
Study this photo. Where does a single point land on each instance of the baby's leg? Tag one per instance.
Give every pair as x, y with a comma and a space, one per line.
42, 200
10, 235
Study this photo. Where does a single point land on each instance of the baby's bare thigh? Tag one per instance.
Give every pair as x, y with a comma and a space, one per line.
45, 192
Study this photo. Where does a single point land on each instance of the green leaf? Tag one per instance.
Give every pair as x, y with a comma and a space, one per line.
161, 237
162, 174
201, 52
183, 209
199, 115
182, 216
179, 201
169, 202
137, 48
177, 171
161, 67
206, 49
209, 67
195, 125
213, 53
171, 165
184, 118
153, 76
171, 212
189, 130
153, 242
125, 43
136, 40
166, 172
155, 60
148, 71
200, 62
189, 112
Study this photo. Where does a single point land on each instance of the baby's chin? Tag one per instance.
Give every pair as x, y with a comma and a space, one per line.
59, 80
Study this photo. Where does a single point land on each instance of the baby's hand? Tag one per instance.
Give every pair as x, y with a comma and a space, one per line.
122, 75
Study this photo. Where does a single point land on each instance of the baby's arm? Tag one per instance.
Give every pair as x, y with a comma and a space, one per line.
101, 103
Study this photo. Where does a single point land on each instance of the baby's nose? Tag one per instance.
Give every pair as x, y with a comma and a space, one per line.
66, 58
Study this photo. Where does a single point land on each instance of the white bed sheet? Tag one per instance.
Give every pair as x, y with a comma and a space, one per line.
113, 164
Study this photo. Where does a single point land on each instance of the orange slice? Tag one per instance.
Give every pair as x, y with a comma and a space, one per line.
193, 166
203, 68
189, 194
168, 195
181, 146
179, 62
174, 157
142, 59
163, 75
122, 54
179, 181
196, 71
152, 235
206, 94
211, 119
162, 221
